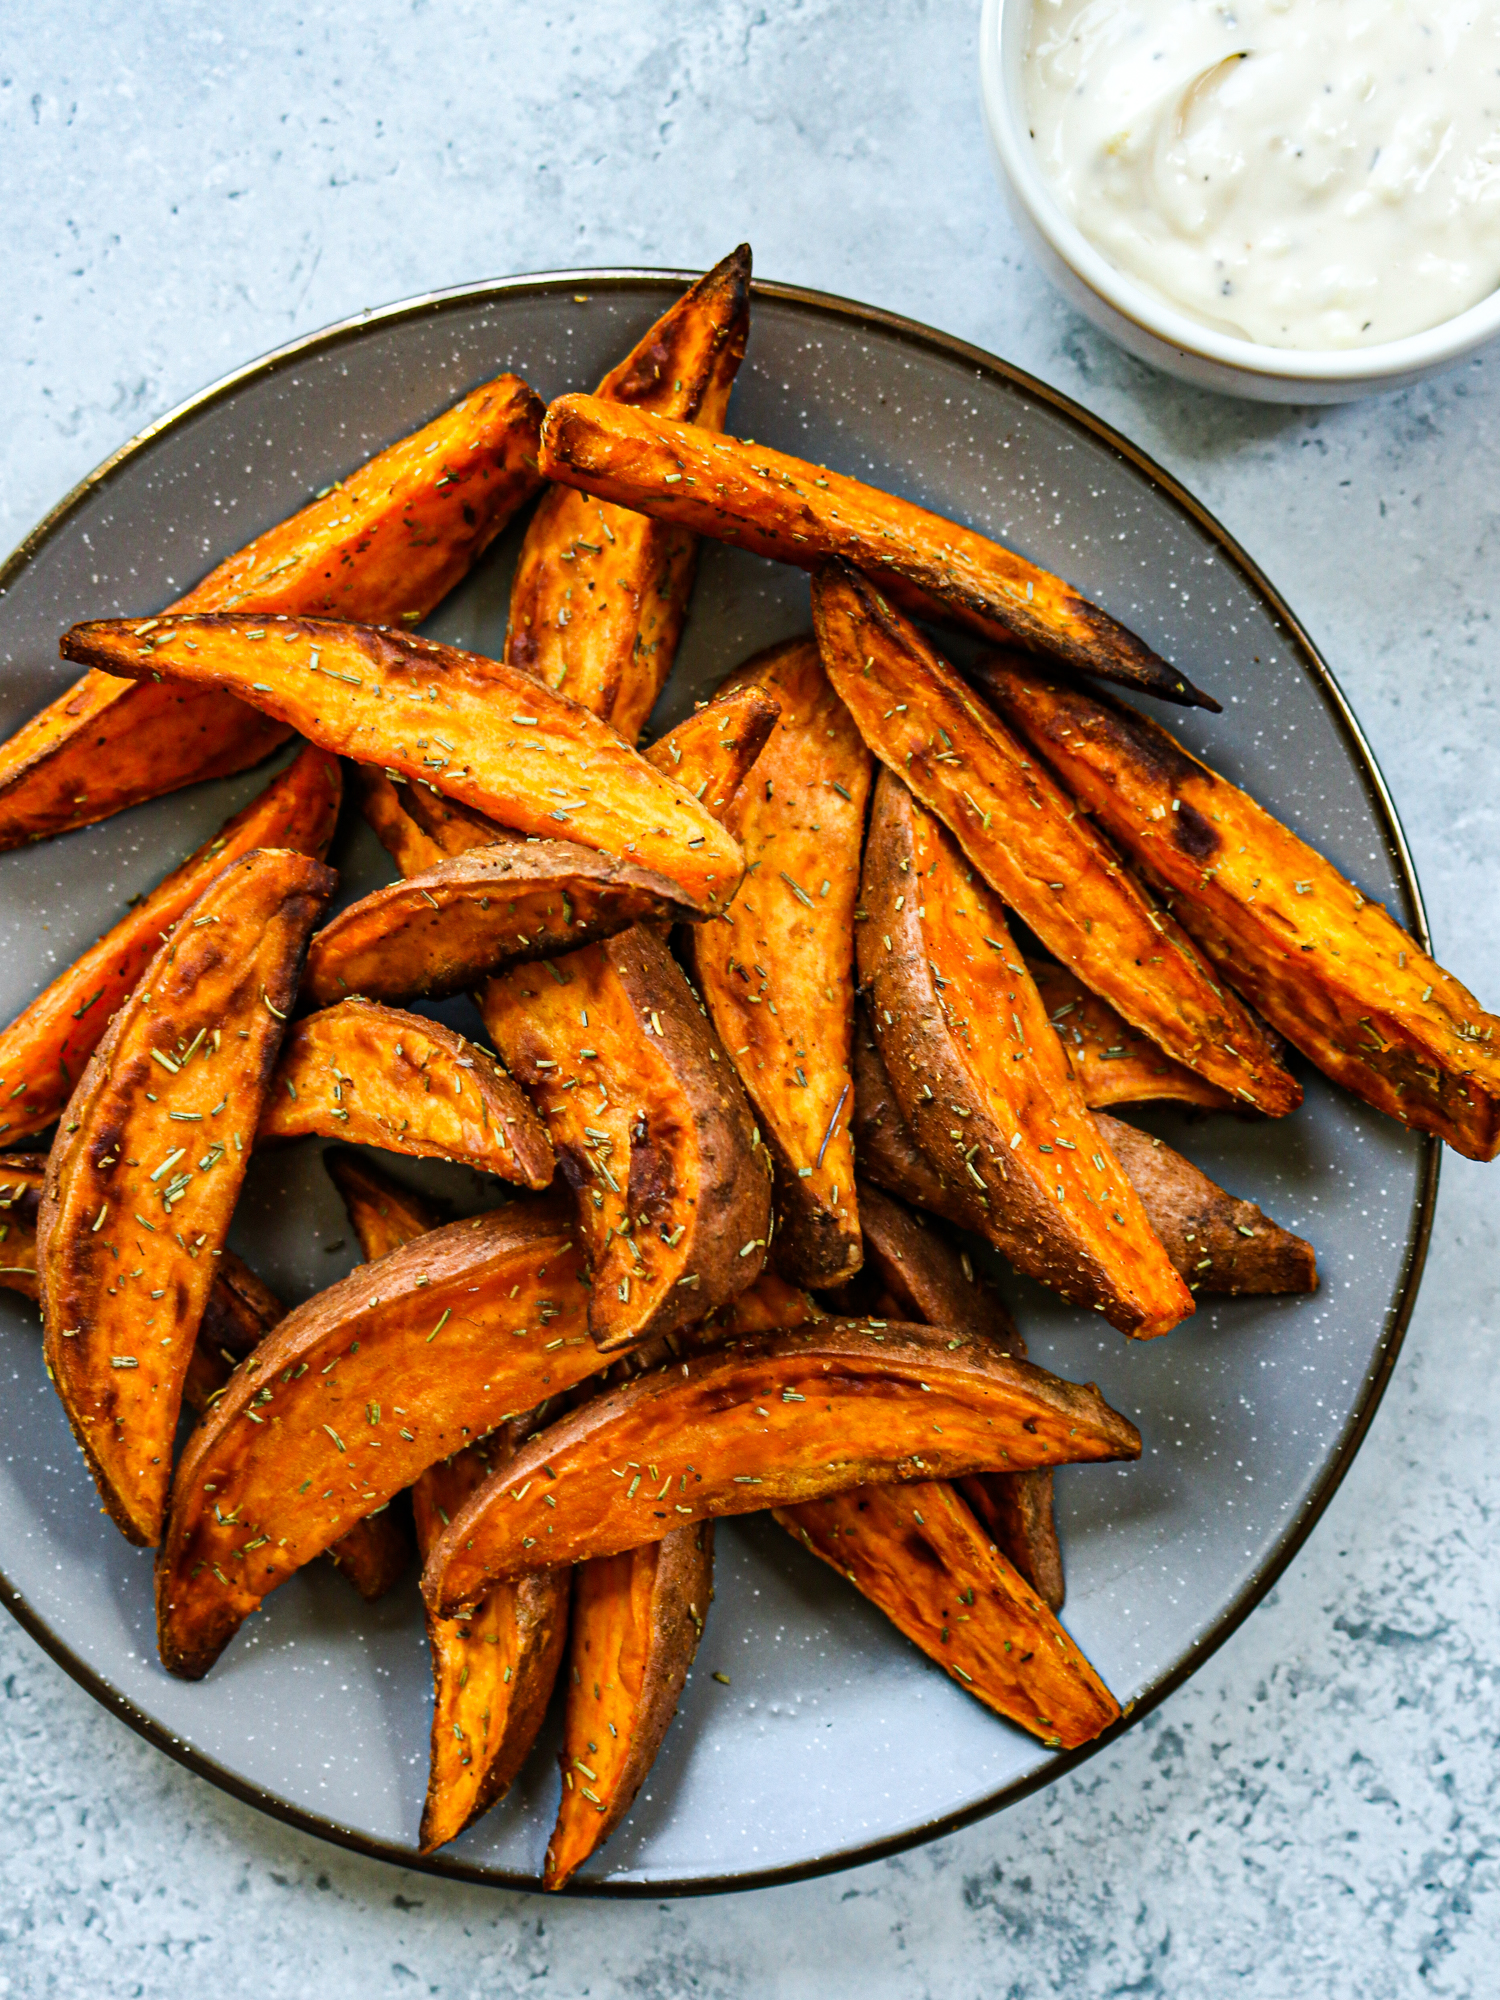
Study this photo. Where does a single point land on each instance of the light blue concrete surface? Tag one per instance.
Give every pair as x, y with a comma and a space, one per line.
1318, 1813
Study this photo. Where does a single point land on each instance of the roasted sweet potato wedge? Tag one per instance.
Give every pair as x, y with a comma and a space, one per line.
383, 809
1218, 1243
147, 1166
381, 546
511, 902
43, 1051
983, 1083
1113, 1062
601, 592
377, 1076
885, 1147
919, 1553
778, 972
1015, 1509
650, 1126
773, 1420
1327, 968
758, 499
384, 1215
400, 1364
484, 733
1025, 836
21, 1179
637, 1620
711, 751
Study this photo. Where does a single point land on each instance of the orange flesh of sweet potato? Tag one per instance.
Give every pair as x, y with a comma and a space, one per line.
637, 1620
43, 1051
778, 973
919, 1553
140, 1193
376, 1076
650, 1126
983, 1083
384, 545
793, 512
510, 902
431, 712
601, 593
1333, 972
1113, 1062
1015, 1509
776, 1419
400, 1364
383, 1215
710, 752
1028, 840
383, 810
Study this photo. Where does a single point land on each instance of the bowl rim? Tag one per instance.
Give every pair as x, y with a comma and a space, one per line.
1414, 353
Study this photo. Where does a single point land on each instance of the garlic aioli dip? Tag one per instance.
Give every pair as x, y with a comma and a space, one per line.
1302, 173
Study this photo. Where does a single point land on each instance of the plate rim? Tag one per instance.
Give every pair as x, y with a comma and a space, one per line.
1270, 1570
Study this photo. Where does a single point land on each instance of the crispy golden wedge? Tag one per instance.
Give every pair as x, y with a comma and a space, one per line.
401, 1364
1328, 969
484, 733
778, 1418
711, 751
637, 1620
919, 1553
983, 1082
650, 1126
782, 507
377, 1076
1218, 1243
513, 901
1025, 836
380, 547
146, 1169
778, 973
1113, 1062
43, 1051
383, 809
600, 592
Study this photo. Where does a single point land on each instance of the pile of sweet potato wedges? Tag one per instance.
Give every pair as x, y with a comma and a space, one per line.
768, 1056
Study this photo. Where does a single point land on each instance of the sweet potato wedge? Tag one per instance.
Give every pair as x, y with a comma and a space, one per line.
377, 1076
511, 902
381, 546
21, 1179
185, 1064
885, 1147
383, 809
400, 1364
601, 592
1025, 836
651, 1129
982, 1080
384, 1215
637, 1620
484, 733
778, 972
775, 1419
1113, 1062
43, 1051
711, 751
1330, 970
774, 505
919, 1553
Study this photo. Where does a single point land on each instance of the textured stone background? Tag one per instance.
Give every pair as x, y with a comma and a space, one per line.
185, 186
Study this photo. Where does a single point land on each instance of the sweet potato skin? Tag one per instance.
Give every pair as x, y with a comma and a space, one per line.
778, 972
1015, 1510
1113, 1062
377, 1076
793, 512
885, 1147
510, 902
673, 1192
1330, 970
919, 1553
201, 1033
406, 1361
925, 1277
960, 1024
637, 1620
777, 1419
43, 1051
601, 592
386, 698
383, 546
1025, 836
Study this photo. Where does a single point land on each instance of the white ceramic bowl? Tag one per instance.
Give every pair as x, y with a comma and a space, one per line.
1146, 324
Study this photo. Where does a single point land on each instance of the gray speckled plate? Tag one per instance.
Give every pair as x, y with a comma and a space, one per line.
834, 1740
